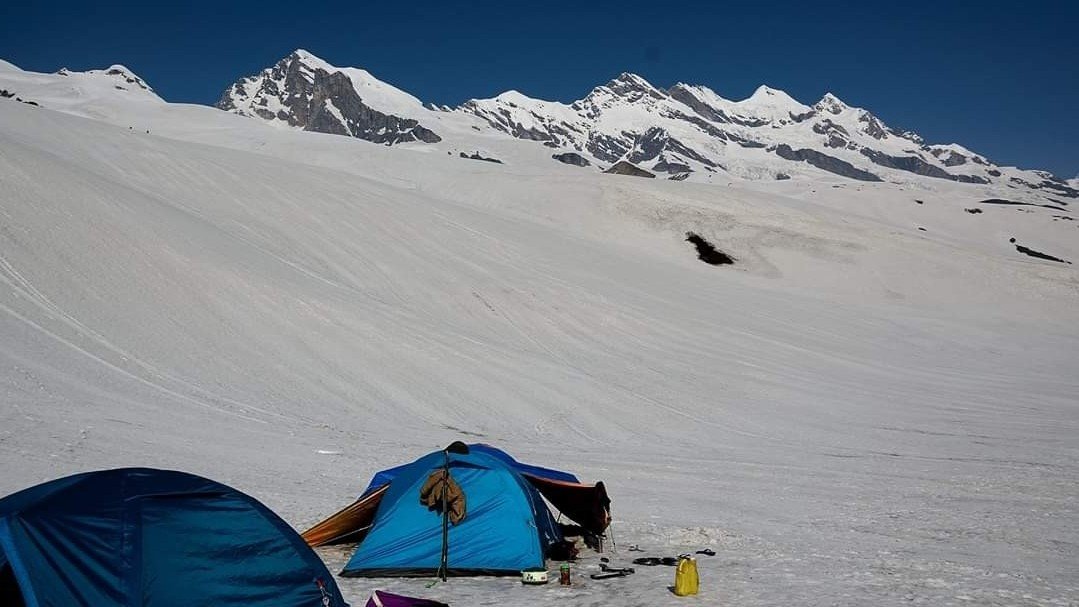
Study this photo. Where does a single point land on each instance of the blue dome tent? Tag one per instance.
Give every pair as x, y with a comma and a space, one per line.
502, 526
153, 538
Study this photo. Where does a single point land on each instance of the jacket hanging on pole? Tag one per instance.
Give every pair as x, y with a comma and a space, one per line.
432, 491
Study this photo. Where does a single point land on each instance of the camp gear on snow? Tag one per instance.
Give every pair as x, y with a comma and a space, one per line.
381, 598
634, 548
685, 577
587, 505
508, 527
563, 574
563, 550
606, 575
611, 572
534, 576
652, 561
648, 561
142, 537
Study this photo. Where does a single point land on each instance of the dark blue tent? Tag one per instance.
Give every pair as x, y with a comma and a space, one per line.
507, 526
152, 538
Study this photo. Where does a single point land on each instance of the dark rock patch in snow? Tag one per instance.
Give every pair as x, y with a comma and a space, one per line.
477, 156
607, 148
681, 92
656, 143
1036, 254
825, 163
973, 211
1058, 189
572, 158
625, 168
1012, 203
672, 168
913, 164
954, 159
708, 253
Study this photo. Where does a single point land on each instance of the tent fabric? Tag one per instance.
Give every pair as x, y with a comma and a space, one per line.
587, 505
349, 524
381, 598
508, 527
153, 538
385, 476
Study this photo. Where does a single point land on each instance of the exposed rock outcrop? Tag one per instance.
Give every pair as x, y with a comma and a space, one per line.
625, 168
825, 163
572, 158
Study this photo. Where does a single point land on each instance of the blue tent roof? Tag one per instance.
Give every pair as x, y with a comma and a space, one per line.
154, 538
385, 476
507, 527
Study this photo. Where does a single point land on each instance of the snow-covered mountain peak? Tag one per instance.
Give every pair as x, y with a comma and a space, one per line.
304, 91
120, 72
702, 91
305, 63
766, 95
771, 104
764, 92
831, 104
626, 88
309, 58
121, 77
514, 98
630, 81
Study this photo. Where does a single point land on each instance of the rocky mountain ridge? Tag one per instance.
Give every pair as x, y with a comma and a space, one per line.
304, 91
685, 131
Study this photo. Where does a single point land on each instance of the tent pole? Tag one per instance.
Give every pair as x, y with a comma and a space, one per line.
443, 567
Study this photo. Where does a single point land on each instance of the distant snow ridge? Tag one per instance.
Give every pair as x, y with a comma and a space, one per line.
304, 91
690, 128
686, 131
123, 77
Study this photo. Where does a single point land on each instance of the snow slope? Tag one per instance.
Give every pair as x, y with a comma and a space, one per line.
858, 412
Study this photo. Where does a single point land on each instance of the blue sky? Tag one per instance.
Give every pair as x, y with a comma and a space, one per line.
1002, 79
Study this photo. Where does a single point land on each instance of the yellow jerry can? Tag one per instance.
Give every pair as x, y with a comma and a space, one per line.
685, 577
